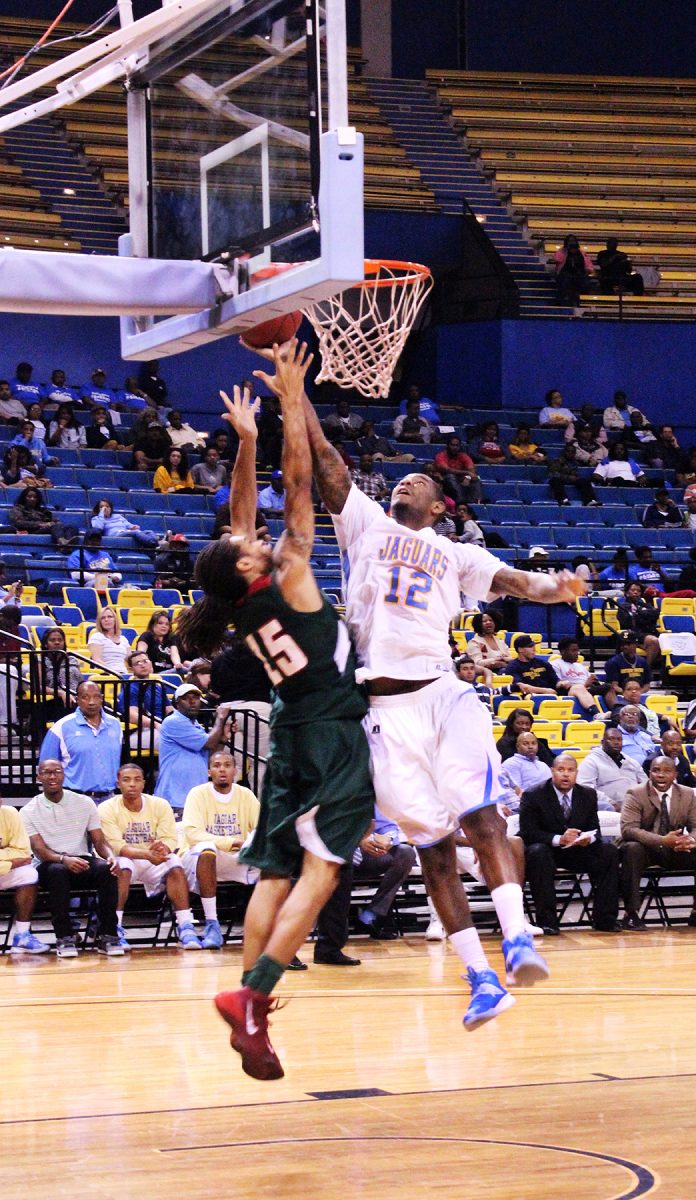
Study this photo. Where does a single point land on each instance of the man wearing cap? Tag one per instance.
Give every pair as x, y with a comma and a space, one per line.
173, 562
271, 500
626, 664
531, 675
97, 395
538, 559
185, 745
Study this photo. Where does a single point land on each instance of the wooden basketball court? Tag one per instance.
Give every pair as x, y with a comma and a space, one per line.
118, 1079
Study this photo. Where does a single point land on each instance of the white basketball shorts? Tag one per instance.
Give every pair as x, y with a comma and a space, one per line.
227, 865
18, 877
433, 756
151, 876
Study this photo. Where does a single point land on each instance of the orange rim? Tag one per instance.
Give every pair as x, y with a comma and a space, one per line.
412, 272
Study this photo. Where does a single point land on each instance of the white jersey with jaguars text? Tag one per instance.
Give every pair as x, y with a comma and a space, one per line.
402, 588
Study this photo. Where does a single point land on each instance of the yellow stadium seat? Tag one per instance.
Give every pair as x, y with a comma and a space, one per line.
550, 731
500, 681
666, 706
139, 618
556, 710
677, 606
134, 598
584, 734
507, 706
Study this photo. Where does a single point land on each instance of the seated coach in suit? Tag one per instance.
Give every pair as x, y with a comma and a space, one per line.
657, 820
559, 826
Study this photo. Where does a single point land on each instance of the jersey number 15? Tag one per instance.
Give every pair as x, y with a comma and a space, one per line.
280, 654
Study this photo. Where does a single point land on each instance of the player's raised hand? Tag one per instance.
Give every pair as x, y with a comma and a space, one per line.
292, 362
568, 586
241, 412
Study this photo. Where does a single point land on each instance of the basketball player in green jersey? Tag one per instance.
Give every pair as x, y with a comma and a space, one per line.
317, 799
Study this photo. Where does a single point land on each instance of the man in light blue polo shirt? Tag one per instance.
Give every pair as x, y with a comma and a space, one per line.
185, 746
88, 744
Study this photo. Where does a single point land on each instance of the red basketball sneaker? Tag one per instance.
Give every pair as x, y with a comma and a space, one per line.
246, 1012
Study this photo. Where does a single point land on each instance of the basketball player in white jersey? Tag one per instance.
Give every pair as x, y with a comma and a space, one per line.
435, 764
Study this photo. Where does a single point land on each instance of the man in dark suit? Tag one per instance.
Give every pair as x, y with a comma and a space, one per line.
657, 820
671, 746
560, 828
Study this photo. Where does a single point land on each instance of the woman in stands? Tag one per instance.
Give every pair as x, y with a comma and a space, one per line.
18, 469
488, 447
34, 414
490, 653
554, 414
30, 515
64, 430
110, 524
108, 647
523, 450
520, 721
574, 271
60, 674
619, 470
174, 474
160, 644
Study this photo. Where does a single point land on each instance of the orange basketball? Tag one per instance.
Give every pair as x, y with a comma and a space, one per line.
276, 331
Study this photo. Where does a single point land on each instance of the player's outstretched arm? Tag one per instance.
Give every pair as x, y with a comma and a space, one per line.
293, 552
241, 415
556, 588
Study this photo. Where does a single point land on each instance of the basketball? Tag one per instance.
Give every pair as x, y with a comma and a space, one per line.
275, 331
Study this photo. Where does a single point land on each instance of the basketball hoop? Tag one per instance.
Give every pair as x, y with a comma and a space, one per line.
363, 329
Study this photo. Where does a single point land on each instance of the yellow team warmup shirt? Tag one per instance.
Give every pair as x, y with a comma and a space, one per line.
210, 816
14, 839
123, 828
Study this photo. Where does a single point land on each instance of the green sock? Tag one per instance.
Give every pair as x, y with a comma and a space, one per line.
264, 975
245, 977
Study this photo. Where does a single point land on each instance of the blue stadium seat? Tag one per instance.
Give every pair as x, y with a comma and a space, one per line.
569, 536
500, 493
66, 497
185, 504
100, 477
85, 598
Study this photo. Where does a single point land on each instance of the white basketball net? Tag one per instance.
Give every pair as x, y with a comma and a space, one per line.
362, 330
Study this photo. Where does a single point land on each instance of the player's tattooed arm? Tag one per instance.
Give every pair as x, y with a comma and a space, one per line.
330, 471
555, 588
241, 413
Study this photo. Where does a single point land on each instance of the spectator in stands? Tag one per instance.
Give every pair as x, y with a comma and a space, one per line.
67, 839
141, 832
220, 439
638, 437
134, 399
559, 824
664, 452
199, 673
687, 576
100, 434
30, 514
663, 513
655, 822
574, 271
637, 616
531, 675
619, 470
446, 527
686, 474
108, 523
588, 451
369, 481
173, 562
174, 474
18, 874
574, 679
554, 413
617, 416
466, 527
219, 818
563, 472
152, 383
160, 643
12, 410
58, 391
18, 470
637, 743
411, 427
458, 470
11, 644
150, 442
490, 653
632, 693
626, 664
427, 408
210, 474
90, 561
108, 647
142, 702
96, 393
522, 771
587, 418
65, 431
648, 573
608, 770
60, 674
616, 272
342, 425
465, 669
37, 449
488, 446
10, 591
613, 579
585, 568
520, 720
184, 745
35, 415
271, 499
672, 747
87, 743
182, 435
23, 388
523, 450
379, 447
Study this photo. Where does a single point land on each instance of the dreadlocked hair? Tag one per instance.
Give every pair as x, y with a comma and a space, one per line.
201, 629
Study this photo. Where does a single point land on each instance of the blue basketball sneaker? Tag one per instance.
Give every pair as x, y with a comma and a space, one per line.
488, 998
523, 964
26, 943
187, 937
212, 936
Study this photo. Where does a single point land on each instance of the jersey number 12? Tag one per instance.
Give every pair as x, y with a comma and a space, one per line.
418, 588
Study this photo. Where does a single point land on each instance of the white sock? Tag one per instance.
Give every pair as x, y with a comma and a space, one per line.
119, 916
467, 944
22, 926
509, 906
184, 916
209, 907
432, 910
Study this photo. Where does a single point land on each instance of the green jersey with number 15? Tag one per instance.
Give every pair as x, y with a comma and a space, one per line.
308, 656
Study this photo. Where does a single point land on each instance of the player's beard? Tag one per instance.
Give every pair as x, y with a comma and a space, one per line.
405, 513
